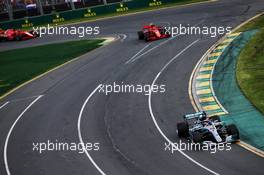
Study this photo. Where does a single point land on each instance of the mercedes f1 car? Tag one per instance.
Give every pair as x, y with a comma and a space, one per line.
199, 128
152, 32
17, 35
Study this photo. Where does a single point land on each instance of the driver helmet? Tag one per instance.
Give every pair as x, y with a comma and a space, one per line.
151, 24
202, 116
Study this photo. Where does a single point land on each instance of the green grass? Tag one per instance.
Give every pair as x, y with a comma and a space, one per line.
254, 24
20, 65
79, 20
250, 68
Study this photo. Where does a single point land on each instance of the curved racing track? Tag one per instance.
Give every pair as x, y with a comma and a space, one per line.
131, 128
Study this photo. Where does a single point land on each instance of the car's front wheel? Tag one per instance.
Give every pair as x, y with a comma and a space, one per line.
233, 131
18, 38
183, 129
140, 35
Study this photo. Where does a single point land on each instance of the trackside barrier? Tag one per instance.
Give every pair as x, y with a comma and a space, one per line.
57, 18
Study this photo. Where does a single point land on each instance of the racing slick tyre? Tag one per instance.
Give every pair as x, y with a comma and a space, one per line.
146, 37
183, 129
197, 137
2, 39
233, 131
35, 34
17, 38
162, 31
140, 35
215, 118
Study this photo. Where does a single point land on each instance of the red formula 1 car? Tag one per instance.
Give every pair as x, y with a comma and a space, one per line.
2, 35
17, 35
152, 32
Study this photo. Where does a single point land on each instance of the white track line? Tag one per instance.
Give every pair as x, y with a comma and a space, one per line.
124, 37
6, 103
162, 43
157, 46
80, 134
131, 59
155, 122
22, 99
10, 131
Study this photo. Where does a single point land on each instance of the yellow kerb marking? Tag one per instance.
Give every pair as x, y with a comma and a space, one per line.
235, 34
251, 148
215, 54
207, 83
211, 107
203, 91
211, 61
206, 68
228, 40
208, 99
203, 76
221, 47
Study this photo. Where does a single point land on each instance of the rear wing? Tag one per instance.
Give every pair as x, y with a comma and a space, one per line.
195, 115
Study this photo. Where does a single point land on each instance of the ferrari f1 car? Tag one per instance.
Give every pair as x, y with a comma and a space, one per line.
199, 128
17, 35
152, 32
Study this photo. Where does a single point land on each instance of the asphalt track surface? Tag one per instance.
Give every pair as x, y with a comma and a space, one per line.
130, 142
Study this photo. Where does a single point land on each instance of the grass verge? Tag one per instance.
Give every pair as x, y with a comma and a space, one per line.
20, 65
250, 66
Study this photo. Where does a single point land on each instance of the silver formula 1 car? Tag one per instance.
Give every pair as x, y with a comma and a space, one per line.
198, 127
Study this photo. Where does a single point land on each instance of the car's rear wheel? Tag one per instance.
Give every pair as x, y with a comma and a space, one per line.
233, 131
183, 129
34, 33
215, 118
37, 35
197, 137
162, 31
140, 35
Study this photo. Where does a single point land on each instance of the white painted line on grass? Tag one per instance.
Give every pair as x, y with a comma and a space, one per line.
6, 103
154, 119
10, 131
80, 133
